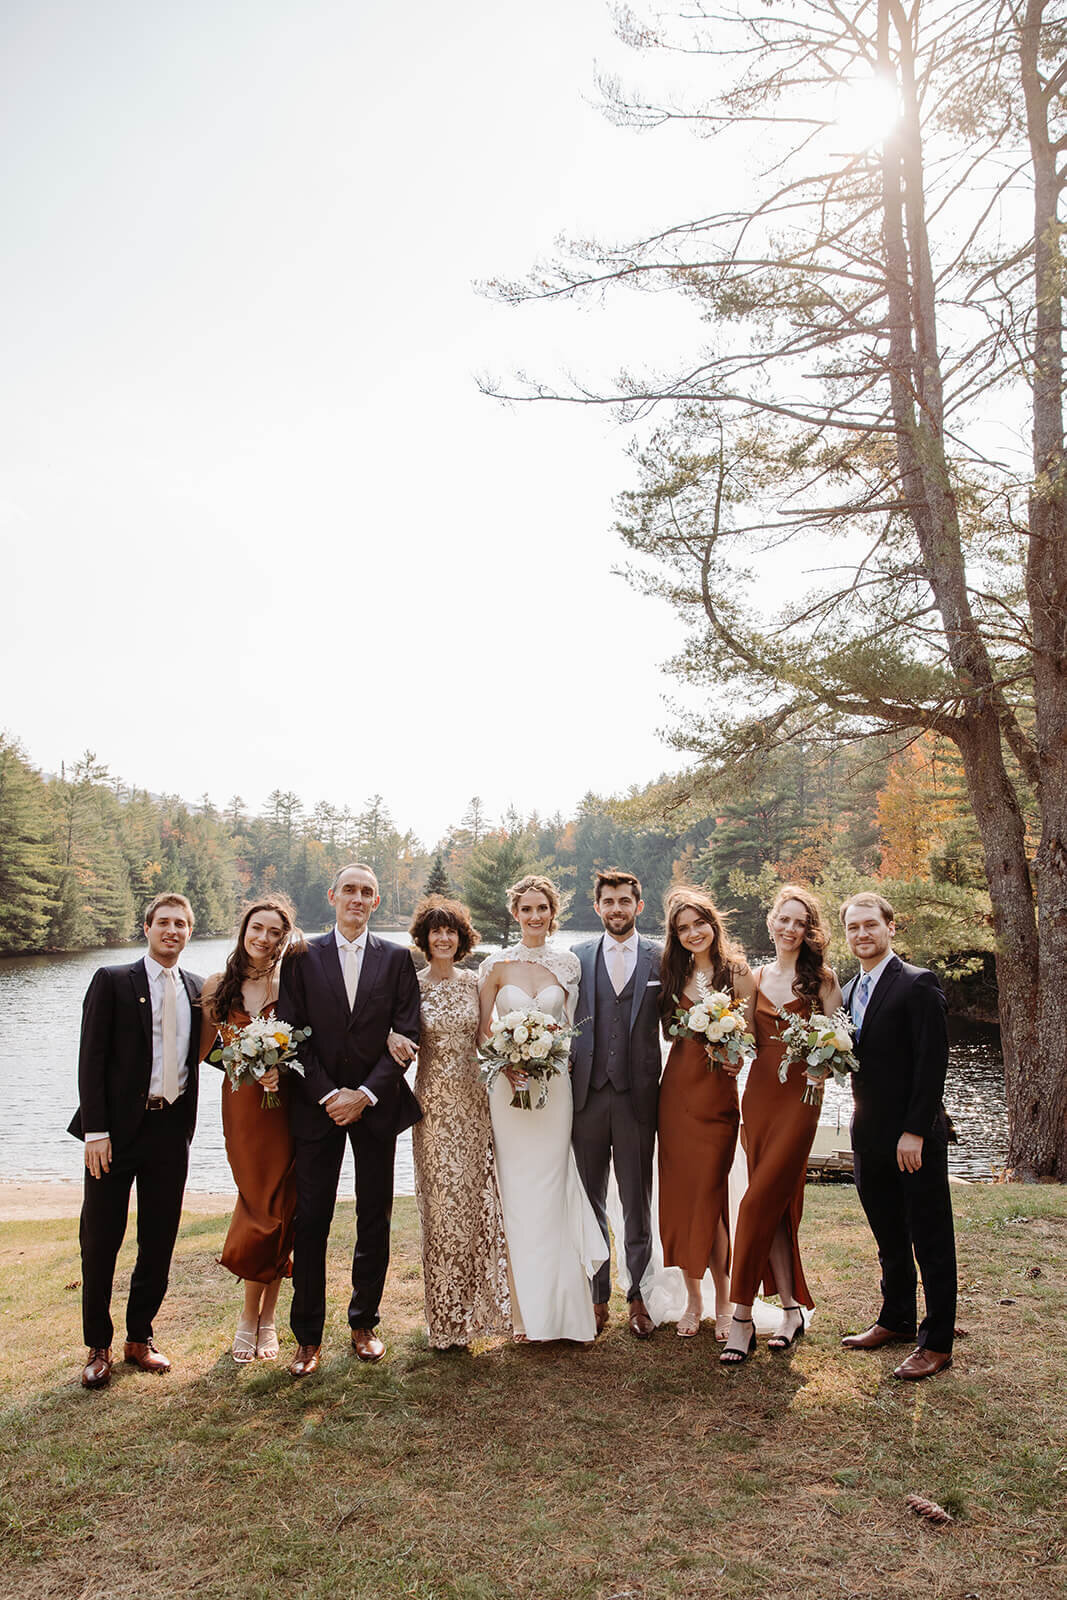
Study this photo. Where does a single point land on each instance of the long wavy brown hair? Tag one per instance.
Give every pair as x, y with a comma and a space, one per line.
228, 995
812, 971
727, 957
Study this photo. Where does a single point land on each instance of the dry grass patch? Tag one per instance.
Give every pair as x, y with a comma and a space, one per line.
613, 1473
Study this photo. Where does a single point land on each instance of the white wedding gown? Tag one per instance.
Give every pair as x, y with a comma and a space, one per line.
554, 1242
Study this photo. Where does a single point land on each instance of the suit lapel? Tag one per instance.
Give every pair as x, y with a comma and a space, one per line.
641, 972
330, 959
881, 990
587, 961
142, 998
368, 975
193, 1053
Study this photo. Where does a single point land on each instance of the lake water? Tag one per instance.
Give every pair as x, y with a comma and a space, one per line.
40, 1015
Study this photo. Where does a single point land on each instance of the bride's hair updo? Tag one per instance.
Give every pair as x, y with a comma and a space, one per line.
534, 883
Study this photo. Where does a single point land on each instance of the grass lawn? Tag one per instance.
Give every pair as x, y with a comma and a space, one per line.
621, 1471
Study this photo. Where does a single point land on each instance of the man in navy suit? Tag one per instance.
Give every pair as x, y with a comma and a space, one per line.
137, 1088
900, 1138
615, 1071
351, 989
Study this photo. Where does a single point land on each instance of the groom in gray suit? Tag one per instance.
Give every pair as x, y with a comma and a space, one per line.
615, 1071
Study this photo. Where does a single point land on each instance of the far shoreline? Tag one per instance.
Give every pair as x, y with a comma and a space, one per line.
49, 1201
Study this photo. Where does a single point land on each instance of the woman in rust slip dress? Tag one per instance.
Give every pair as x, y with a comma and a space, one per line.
698, 1109
779, 1127
258, 1246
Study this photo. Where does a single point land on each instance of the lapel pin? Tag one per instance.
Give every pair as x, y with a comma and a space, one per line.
142, 999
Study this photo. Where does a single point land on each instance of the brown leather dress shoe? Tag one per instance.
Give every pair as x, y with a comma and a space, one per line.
641, 1324
97, 1373
367, 1345
874, 1338
305, 1361
922, 1363
601, 1313
145, 1356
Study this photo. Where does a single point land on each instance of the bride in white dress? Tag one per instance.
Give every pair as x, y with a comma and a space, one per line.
554, 1241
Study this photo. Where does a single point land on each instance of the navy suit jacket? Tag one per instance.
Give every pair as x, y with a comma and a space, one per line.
347, 1047
115, 1058
903, 1055
646, 1060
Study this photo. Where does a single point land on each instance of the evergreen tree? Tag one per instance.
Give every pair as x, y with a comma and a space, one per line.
27, 862
492, 868
437, 882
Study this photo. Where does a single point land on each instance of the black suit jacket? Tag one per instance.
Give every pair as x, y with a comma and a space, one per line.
903, 1055
646, 1059
347, 1047
115, 1059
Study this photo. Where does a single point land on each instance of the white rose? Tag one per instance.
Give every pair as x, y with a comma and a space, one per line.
249, 1047
699, 1019
521, 1034
720, 999
539, 1049
842, 1039
515, 1058
716, 1030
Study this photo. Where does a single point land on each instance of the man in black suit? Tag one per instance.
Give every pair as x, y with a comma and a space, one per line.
900, 1138
137, 1088
351, 989
615, 1071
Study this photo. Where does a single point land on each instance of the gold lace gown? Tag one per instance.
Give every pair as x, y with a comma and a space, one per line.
464, 1257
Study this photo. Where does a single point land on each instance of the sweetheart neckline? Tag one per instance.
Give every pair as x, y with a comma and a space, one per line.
561, 987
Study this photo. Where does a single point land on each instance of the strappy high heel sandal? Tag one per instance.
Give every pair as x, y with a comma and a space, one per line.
244, 1344
785, 1341
734, 1358
267, 1342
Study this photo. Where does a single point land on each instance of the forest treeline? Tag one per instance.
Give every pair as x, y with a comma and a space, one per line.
81, 853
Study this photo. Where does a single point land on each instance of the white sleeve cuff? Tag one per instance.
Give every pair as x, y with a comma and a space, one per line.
371, 1096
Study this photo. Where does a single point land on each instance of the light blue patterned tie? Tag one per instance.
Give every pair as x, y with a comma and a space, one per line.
859, 1004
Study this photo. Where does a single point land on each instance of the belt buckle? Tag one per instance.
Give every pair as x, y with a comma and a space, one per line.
155, 1102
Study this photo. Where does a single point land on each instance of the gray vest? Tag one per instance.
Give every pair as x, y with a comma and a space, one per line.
611, 1040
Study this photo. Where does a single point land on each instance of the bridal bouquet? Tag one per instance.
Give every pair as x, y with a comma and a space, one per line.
532, 1041
823, 1043
719, 1020
252, 1050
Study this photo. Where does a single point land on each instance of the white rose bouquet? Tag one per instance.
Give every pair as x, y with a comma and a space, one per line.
719, 1019
251, 1051
534, 1043
823, 1043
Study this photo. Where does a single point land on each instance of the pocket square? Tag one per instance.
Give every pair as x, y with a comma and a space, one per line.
653, 983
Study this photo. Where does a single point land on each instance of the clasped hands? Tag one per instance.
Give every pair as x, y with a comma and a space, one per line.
346, 1106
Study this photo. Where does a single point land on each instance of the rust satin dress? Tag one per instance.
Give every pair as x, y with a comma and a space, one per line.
698, 1120
779, 1130
259, 1242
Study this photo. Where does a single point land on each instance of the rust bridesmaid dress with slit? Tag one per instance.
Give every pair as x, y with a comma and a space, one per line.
698, 1120
779, 1130
259, 1242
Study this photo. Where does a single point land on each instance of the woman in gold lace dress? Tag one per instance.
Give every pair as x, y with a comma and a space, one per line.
464, 1257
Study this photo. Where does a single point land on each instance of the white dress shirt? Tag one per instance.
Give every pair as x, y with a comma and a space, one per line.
359, 945
628, 948
183, 1018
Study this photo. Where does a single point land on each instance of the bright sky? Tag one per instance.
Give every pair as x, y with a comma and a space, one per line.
260, 527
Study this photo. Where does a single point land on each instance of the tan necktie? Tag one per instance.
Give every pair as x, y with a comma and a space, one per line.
618, 968
351, 973
170, 1035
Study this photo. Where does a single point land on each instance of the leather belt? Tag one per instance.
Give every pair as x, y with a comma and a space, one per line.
156, 1102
